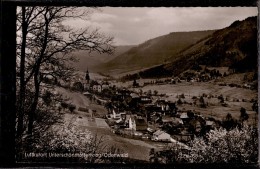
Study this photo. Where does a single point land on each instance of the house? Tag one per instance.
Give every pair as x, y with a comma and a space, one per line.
184, 117
177, 121
167, 107
166, 119
116, 114
180, 145
145, 99
163, 104
104, 86
95, 87
134, 95
184, 138
152, 110
172, 120
160, 135
137, 123
210, 124
99, 88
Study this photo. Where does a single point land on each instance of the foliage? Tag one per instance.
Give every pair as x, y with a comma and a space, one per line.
202, 102
68, 139
78, 86
219, 146
179, 101
237, 145
221, 98
243, 115
230, 123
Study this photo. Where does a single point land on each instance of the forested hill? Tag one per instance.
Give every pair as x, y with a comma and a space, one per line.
234, 46
153, 52
90, 61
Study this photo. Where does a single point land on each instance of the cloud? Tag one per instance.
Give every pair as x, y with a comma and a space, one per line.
103, 17
135, 25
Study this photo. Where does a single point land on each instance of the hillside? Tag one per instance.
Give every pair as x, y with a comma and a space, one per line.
234, 47
92, 60
153, 52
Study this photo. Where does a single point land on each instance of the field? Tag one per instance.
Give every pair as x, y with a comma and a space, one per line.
236, 98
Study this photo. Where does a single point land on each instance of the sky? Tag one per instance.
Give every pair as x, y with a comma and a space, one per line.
132, 26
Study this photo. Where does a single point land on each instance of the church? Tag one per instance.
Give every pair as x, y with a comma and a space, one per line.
86, 82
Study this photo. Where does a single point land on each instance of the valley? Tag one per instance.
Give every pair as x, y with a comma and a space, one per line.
120, 85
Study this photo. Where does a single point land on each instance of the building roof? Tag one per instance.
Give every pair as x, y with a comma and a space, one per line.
134, 95
174, 143
153, 108
184, 116
209, 123
166, 119
159, 132
177, 121
128, 116
140, 122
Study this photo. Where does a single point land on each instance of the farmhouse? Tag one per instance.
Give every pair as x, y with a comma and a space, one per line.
210, 124
137, 123
184, 117
160, 135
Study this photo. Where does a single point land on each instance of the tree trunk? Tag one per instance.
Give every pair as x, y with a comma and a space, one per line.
34, 104
37, 81
21, 100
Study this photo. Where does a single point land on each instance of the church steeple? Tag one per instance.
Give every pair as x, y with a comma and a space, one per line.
87, 78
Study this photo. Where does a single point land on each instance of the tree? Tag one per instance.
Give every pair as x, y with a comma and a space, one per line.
229, 122
155, 92
218, 146
221, 98
72, 108
44, 49
149, 93
202, 102
243, 115
179, 101
135, 84
255, 108
235, 146
78, 86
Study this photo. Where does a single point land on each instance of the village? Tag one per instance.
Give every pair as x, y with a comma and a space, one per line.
135, 114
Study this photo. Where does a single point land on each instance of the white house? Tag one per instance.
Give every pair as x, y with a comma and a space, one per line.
116, 114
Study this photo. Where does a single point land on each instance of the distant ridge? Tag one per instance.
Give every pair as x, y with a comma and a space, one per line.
92, 60
234, 46
153, 52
